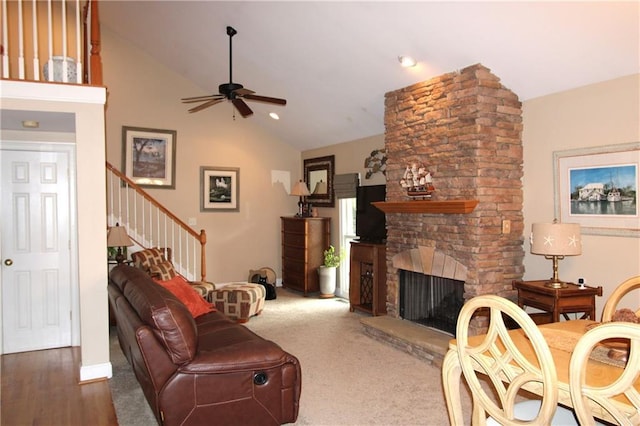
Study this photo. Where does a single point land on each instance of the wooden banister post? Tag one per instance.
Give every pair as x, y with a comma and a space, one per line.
96, 61
203, 257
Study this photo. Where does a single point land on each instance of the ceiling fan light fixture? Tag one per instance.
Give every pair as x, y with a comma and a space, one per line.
274, 116
407, 61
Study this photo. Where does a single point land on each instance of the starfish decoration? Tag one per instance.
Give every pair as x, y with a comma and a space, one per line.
573, 241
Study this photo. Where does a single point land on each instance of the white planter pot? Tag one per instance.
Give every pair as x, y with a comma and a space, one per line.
327, 281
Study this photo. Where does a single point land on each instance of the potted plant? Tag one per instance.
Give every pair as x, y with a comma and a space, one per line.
327, 271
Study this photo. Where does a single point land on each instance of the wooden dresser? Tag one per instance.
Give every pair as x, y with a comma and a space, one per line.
304, 239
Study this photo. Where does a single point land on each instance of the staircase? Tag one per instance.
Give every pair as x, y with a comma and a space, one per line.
149, 224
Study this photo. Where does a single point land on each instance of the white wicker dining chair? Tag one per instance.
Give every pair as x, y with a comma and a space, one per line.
620, 292
584, 395
507, 369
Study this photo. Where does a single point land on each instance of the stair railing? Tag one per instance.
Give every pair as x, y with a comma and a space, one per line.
59, 36
150, 224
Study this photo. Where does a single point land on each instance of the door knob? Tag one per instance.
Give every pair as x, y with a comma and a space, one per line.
8, 262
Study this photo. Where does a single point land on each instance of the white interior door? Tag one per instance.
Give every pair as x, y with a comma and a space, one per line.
36, 269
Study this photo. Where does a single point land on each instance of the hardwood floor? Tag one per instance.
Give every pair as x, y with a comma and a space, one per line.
41, 388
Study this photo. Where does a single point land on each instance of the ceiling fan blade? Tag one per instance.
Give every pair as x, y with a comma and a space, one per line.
266, 99
242, 91
205, 105
200, 98
242, 107
204, 99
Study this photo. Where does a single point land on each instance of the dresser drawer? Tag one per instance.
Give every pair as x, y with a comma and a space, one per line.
295, 265
295, 240
294, 253
294, 226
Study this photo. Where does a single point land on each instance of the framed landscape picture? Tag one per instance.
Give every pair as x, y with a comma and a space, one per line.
598, 188
149, 156
219, 189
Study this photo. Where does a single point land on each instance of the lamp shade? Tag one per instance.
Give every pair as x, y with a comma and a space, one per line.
117, 237
321, 188
300, 189
556, 239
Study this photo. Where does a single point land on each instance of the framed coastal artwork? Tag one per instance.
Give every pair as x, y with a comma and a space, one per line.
598, 188
149, 156
219, 189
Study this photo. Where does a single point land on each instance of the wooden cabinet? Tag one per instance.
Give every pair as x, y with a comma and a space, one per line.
304, 239
368, 278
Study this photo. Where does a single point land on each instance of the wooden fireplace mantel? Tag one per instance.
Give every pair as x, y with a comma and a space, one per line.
427, 206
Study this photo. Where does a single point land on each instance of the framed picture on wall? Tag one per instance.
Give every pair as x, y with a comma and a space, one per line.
219, 189
149, 156
598, 188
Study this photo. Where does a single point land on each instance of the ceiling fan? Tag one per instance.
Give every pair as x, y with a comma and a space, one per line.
234, 92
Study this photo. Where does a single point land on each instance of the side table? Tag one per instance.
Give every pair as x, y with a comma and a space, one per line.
556, 301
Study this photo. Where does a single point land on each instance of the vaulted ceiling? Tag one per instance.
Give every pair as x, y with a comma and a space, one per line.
334, 61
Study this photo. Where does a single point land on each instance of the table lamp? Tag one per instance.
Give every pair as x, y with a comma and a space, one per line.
555, 241
300, 189
117, 237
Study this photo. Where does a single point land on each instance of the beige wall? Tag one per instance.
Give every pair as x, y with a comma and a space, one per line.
601, 114
143, 93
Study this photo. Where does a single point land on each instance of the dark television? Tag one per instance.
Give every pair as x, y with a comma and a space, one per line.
370, 221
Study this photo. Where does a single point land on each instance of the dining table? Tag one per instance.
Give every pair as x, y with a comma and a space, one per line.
561, 338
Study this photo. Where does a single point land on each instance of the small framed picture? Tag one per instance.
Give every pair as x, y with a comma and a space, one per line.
149, 156
219, 189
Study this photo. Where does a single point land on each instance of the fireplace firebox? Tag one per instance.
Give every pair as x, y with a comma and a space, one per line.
431, 301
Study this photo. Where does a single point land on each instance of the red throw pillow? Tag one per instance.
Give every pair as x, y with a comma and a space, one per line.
187, 295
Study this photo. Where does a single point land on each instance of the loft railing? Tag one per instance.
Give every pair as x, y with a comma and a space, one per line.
149, 224
51, 40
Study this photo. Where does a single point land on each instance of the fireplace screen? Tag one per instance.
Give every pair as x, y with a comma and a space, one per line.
431, 301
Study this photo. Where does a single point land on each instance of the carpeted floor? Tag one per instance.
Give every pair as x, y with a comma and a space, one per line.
131, 406
347, 377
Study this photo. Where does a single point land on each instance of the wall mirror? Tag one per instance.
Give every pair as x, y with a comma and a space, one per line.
318, 174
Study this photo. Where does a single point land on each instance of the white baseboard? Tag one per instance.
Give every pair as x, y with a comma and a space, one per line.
97, 371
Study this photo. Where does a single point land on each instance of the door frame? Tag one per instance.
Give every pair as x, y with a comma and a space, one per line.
69, 149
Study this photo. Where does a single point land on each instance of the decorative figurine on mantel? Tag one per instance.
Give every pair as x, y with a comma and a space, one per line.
417, 181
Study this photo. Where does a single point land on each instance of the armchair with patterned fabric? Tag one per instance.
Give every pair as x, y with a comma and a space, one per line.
157, 263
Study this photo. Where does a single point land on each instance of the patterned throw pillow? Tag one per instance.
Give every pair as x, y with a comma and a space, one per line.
146, 258
163, 271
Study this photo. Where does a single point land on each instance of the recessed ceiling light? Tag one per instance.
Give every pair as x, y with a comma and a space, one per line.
407, 61
30, 124
274, 116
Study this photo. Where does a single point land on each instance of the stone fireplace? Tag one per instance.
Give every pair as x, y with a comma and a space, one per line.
465, 127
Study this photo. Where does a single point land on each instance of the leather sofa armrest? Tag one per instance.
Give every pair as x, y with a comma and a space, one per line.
250, 355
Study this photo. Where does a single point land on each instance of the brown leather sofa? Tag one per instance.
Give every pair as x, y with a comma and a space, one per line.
207, 370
